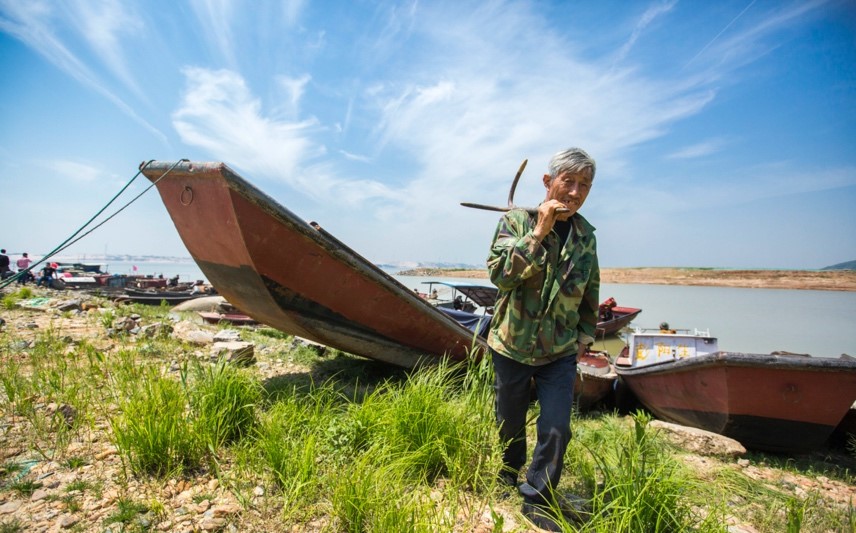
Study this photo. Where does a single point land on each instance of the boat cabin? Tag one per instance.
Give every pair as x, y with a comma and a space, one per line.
651, 347
461, 296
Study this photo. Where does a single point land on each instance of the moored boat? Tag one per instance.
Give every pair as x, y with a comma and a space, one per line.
295, 276
238, 319
595, 380
774, 402
612, 318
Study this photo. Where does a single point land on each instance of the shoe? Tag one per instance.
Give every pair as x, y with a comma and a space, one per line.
573, 507
508, 479
541, 517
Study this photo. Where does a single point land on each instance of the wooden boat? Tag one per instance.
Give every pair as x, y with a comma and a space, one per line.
612, 318
465, 297
295, 276
595, 380
622, 316
775, 402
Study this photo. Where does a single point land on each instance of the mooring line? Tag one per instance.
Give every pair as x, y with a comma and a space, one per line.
68, 242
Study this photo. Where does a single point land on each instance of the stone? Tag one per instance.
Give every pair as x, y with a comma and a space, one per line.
39, 494
189, 332
123, 323
68, 305
227, 335
67, 520
10, 506
699, 441
226, 509
158, 329
238, 352
212, 524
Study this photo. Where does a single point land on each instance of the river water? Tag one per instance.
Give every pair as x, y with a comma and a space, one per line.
820, 323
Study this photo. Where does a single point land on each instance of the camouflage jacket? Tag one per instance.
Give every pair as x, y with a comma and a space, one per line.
548, 294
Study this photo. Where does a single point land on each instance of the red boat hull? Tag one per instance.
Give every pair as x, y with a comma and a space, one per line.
767, 402
295, 277
595, 380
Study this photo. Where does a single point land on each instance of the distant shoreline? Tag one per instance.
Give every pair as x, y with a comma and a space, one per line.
819, 280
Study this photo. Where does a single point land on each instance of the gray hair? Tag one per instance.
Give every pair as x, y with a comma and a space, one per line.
571, 160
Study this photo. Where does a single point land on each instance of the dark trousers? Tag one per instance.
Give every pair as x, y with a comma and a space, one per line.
554, 387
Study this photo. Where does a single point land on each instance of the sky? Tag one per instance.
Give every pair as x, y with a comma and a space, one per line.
724, 132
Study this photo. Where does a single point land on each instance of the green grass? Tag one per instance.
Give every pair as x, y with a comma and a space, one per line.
353, 445
12, 525
126, 511
224, 401
154, 432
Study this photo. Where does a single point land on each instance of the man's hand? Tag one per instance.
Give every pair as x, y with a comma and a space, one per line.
581, 351
548, 213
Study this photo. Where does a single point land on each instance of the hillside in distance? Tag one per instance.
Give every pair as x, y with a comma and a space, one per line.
847, 265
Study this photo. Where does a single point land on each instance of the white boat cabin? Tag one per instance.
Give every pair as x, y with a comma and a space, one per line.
651, 347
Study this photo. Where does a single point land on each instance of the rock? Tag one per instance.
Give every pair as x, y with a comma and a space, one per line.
124, 323
157, 329
203, 303
227, 335
39, 494
10, 507
189, 332
67, 520
300, 342
212, 524
238, 352
259, 491
106, 453
68, 305
700, 441
226, 509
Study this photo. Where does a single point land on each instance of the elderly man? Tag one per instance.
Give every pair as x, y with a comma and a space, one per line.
545, 266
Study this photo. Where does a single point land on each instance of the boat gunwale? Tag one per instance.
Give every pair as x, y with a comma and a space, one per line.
739, 359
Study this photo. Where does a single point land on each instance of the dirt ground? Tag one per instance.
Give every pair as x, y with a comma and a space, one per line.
819, 280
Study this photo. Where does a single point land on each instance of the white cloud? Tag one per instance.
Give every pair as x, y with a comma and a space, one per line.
103, 24
33, 24
220, 114
698, 150
75, 171
216, 17
752, 41
651, 14
294, 89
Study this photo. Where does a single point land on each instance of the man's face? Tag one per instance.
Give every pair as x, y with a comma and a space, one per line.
570, 188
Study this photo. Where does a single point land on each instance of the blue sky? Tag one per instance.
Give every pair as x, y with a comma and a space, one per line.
724, 132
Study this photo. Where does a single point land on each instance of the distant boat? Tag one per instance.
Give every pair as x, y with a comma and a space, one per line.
238, 319
468, 298
618, 319
295, 276
152, 297
774, 402
84, 268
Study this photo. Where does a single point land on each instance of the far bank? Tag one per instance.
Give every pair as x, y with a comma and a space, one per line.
821, 280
